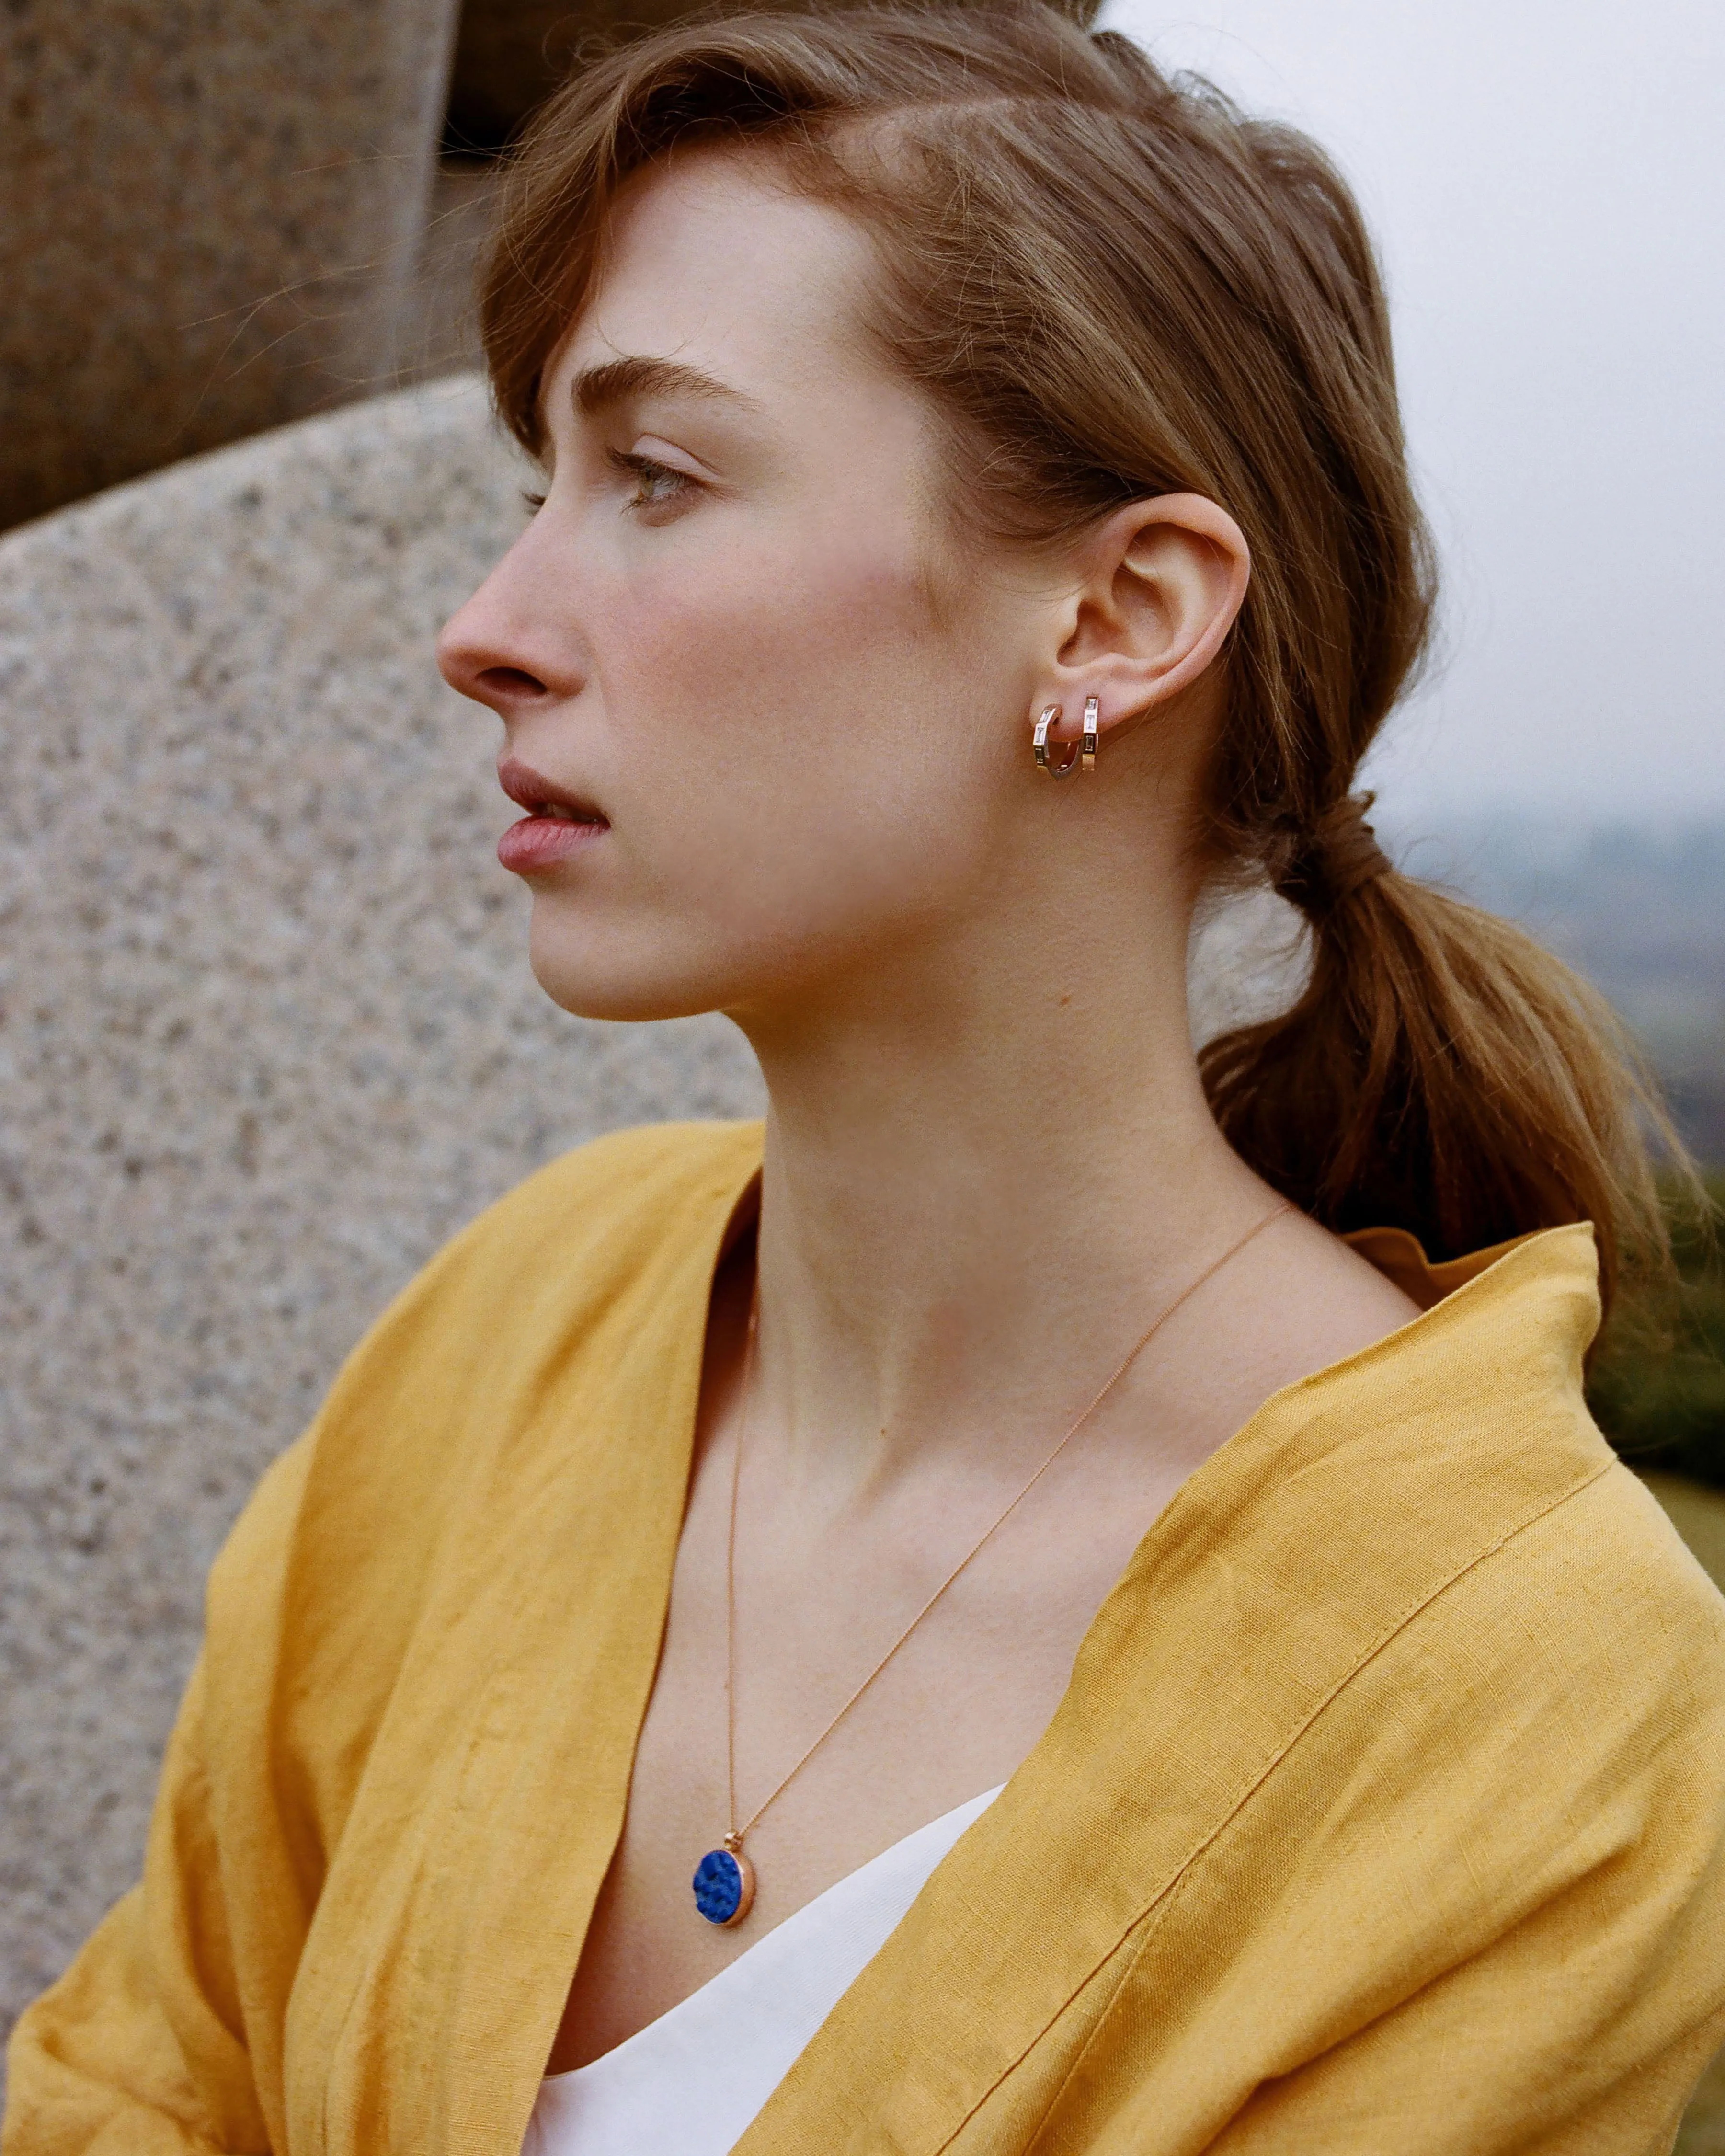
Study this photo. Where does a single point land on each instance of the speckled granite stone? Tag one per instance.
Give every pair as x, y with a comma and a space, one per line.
210, 217
248, 1080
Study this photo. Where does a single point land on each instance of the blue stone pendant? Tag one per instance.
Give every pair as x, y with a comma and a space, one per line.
724, 1886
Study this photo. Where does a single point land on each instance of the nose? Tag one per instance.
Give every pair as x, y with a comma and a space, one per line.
503, 648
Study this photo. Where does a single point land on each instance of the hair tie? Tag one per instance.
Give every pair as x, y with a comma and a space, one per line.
1323, 867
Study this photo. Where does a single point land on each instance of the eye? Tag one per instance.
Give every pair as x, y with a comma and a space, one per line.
657, 485
535, 502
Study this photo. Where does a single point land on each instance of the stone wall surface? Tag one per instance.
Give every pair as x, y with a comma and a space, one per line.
267, 1037
210, 218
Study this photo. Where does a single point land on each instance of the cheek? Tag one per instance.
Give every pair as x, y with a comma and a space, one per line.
736, 645
792, 720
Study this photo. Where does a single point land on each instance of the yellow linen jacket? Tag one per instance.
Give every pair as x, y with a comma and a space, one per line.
1383, 1814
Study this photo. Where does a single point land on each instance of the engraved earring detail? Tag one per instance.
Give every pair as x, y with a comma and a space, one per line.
1039, 743
1081, 755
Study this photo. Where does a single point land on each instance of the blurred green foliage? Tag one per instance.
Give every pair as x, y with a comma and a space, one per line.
1657, 1385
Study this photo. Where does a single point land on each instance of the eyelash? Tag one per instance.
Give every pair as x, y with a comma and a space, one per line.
645, 470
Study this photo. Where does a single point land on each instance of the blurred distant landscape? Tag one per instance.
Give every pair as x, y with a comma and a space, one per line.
1639, 909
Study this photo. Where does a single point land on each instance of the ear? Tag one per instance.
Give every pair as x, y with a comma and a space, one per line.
1160, 584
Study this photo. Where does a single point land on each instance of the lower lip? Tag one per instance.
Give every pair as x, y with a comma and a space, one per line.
539, 843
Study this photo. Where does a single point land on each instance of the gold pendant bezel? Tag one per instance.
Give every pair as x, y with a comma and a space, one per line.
746, 1895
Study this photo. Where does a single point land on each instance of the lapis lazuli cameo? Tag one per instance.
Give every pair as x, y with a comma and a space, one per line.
723, 1887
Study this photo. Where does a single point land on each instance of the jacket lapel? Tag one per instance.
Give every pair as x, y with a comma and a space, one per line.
470, 1870
597, 1573
1345, 1505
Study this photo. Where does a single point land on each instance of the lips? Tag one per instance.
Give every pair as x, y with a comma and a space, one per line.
558, 824
541, 795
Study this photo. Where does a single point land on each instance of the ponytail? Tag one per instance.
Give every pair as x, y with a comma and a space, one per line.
1440, 1073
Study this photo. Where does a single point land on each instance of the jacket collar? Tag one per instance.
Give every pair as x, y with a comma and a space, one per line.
1348, 1501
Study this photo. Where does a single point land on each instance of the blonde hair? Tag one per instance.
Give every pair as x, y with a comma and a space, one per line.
1114, 284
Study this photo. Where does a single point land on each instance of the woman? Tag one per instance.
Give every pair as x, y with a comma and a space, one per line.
1095, 1561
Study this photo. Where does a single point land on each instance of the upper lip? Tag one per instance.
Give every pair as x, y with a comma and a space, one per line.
532, 789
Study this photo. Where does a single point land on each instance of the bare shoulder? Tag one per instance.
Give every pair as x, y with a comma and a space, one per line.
1298, 1300
1307, 1300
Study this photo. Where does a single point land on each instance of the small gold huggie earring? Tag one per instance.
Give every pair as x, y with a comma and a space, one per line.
1087, 743
1039, 743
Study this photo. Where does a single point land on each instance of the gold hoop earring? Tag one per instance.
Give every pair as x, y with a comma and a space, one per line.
1087, 740
1039, 743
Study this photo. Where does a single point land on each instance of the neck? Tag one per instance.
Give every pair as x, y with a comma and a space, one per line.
984, 1179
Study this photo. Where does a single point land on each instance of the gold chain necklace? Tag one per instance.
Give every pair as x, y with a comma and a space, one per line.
725, 1879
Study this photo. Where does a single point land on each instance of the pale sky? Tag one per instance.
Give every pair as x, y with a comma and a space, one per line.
1547, 183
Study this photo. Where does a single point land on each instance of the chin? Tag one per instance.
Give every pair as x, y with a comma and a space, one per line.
622, 998
624, 980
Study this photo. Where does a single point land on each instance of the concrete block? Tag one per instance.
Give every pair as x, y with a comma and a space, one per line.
210, 215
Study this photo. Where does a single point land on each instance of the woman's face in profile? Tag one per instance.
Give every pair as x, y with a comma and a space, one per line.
738, 650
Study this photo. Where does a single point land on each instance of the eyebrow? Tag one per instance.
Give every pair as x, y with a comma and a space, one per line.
597, 388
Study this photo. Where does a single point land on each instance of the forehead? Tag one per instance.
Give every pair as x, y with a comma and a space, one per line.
711, 259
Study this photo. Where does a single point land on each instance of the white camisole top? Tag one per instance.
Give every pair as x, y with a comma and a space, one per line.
689, 2083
